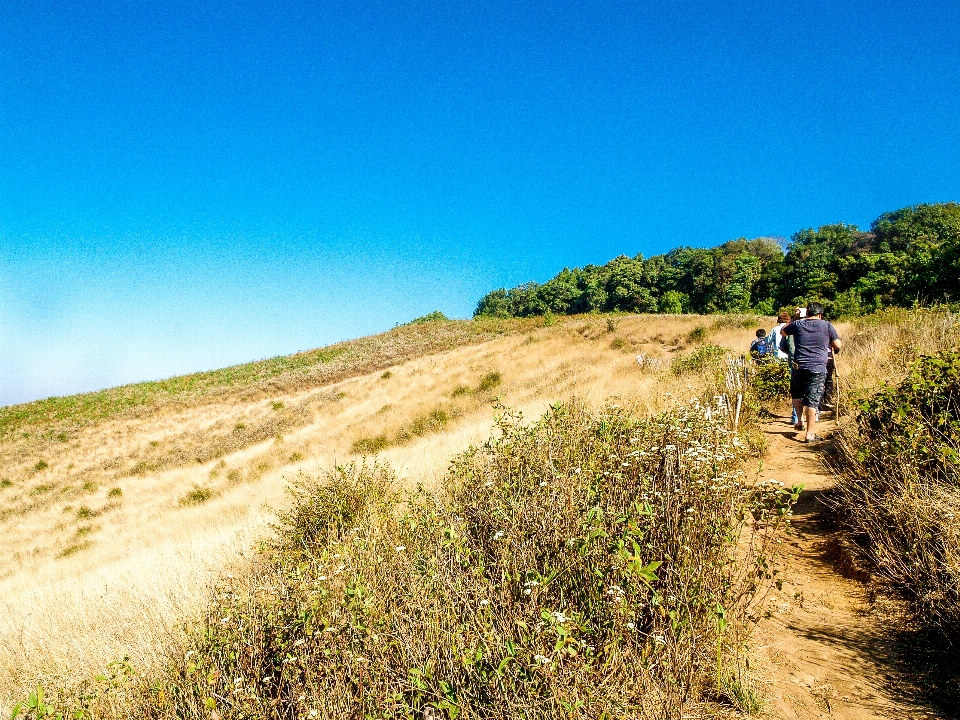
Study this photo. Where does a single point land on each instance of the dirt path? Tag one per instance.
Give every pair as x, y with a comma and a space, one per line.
823, 645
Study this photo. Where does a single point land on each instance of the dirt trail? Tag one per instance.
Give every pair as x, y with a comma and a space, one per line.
825, 649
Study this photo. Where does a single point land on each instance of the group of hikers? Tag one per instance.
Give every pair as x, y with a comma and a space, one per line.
807, 343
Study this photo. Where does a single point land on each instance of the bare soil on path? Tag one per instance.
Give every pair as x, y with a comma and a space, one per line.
828, 650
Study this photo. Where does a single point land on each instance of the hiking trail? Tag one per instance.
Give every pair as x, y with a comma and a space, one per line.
823, 646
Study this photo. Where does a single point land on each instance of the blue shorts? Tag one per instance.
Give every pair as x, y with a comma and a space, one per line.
808, 386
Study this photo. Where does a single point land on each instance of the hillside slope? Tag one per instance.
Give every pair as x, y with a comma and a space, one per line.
114, 531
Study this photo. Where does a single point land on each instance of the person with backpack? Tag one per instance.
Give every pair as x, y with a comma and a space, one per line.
761, 346
787, 347
813, 338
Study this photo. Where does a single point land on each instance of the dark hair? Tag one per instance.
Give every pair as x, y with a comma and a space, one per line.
761, 333
814, 309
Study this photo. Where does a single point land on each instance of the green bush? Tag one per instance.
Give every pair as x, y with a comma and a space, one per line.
698, 334
434, 316
916, 421
770, 380
703, 357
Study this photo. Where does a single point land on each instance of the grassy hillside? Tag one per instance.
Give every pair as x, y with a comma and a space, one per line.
60, 415
113, 532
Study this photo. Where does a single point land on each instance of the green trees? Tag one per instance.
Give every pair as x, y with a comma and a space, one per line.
910, 255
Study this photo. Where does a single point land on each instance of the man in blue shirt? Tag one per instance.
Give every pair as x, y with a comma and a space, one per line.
813, 338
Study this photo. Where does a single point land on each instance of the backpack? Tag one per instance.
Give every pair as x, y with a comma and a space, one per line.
760, 346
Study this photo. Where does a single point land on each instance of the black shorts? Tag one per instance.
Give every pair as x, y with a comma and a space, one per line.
808, 386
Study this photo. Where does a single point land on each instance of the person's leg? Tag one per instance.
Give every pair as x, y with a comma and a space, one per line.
795, 417
810, 415
811, 401
797, 390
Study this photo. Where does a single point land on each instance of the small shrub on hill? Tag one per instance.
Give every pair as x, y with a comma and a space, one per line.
697, 335
370, 446
198, 495
703, 357
489, 382
434, 316
770, 380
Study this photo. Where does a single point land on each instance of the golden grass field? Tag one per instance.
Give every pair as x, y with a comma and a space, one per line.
112, 537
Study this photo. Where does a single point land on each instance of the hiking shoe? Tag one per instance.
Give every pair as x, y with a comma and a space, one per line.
812, 438
798, 426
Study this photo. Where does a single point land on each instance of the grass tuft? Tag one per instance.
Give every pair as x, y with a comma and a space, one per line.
489, 382
370, 446
198, 495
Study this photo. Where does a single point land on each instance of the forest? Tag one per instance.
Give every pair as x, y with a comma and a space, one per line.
908, 257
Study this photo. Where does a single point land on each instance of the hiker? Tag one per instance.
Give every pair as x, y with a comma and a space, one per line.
776, 335
761, 346
813, 338
787, 347
826, 402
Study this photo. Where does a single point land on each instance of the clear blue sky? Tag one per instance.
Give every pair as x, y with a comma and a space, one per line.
187, 186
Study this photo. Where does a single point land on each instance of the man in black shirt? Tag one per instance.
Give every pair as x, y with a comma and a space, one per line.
813, 339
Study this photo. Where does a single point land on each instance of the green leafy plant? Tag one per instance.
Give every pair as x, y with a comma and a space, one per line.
770, 380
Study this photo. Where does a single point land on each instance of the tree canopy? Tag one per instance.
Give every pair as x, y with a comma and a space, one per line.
909, 256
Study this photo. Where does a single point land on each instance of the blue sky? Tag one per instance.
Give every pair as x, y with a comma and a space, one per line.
187, 186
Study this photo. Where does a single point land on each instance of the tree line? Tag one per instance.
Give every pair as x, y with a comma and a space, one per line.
909, 256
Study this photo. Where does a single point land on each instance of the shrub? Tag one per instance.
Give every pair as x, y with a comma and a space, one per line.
585, 566
40, 465
697, 335
460, 390
770, 380
115, 493
434, 316
701, 358
619, 344
370, 446
489, 381
6, 483
197, 496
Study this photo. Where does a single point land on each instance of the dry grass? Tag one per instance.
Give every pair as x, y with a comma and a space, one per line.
148, 558
897, 461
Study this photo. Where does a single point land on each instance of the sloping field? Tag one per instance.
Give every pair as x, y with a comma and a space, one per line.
118, 507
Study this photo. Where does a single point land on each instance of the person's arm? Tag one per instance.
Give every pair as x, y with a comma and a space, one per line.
835, 342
